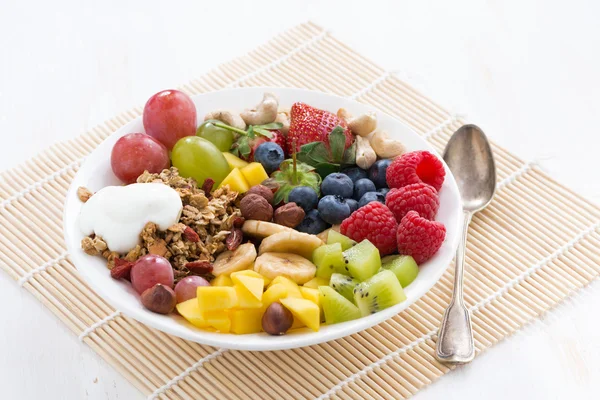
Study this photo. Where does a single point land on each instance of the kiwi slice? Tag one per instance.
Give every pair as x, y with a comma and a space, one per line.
404, 267
336, 307
381, 291
328, 259
336, 237
362, 260
344, 285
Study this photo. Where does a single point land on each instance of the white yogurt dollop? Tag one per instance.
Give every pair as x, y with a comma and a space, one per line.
118, 214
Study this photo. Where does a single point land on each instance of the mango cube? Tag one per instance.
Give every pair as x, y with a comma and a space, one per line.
254, 173
222, 280
253, 284
245, 299
274, 293
216, 298
297, 324
236, 181
246, 321
250, 272
219, 320
305, 310
233, 161
189, 310
293, 289
310, 294
315, 282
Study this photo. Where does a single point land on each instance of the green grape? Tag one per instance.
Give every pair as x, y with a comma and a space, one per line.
220, 137
200, 159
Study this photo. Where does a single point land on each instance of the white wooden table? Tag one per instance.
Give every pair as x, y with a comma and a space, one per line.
527, 73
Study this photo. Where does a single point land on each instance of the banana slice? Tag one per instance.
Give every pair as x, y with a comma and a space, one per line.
291, 242
237, 260
262, 229
292, 266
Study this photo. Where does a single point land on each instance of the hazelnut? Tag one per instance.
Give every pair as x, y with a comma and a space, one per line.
159, 298
289, 215
256, 207
277, 319
261, 191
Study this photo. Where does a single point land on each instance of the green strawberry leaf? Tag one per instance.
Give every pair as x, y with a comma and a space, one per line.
244, 147
272, 125
325, 169
350, 155
337, 142
250, 131
281, 195
315, 153
262, 131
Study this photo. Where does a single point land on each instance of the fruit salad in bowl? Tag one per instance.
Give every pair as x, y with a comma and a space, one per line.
262, 218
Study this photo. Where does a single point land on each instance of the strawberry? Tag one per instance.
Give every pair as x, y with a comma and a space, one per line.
309, 124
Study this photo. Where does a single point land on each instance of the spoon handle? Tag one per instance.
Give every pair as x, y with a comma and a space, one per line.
455, 337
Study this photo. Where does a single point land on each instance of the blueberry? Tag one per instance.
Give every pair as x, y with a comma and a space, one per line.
355, 173
337, 184
353, 204
312, 223
270, 155
383, 191
333, 210
371, 196
361, 187
304, 197
377, 173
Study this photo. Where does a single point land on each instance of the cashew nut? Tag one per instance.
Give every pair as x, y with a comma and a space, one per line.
365, 155
284, 118
361, 125
384, 146
228, 118
264, 113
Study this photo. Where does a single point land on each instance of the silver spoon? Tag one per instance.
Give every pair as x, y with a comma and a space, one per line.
469, 157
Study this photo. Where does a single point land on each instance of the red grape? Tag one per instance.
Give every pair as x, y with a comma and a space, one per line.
150, 270
135, 153
186, 288
170, 115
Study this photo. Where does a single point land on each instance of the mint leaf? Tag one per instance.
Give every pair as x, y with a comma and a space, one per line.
350, 155
263, 132
337, 142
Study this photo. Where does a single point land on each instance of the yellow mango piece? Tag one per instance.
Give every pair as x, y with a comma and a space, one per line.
222, 280
219, 320
297, 324
245, 298
246, 321
253, 284
233, 161
293, 289
310, 294
315, 282
216, 297
236, 181
250, 272
274, 293
254, 173
189, 310
305, 310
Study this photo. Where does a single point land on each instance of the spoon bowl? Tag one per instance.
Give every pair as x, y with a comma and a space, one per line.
469, 157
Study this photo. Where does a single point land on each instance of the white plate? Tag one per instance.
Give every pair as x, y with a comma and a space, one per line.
96, 173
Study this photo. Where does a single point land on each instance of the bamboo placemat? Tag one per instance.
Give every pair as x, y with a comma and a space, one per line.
533, 246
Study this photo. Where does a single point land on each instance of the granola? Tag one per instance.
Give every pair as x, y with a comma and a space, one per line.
200, 235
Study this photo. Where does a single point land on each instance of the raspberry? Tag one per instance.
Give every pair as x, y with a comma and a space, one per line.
418, 197
419, 237
374, 222
416, 167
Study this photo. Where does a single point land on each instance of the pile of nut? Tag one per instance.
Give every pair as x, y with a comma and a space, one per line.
257, 205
